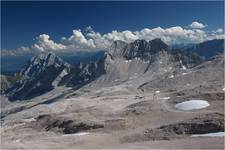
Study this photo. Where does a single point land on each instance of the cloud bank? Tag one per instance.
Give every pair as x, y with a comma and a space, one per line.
90, 40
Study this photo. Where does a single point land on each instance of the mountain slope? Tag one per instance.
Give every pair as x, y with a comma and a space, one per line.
209, 74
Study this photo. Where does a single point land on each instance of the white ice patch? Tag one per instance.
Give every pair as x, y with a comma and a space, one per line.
77, 134
183, 67
223, 89
192, 104
29, 120
172, 76
184, 73
157, 92
165, 98
216, 134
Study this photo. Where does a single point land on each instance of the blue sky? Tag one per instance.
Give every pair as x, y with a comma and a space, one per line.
22, 22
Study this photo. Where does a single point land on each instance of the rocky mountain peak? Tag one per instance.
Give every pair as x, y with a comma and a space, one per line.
139, 48
42, 73
42, 61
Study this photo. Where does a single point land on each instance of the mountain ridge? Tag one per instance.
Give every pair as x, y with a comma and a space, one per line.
123, 61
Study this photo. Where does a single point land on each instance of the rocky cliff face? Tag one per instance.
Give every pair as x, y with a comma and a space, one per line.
137, 49
42, 73
42, 62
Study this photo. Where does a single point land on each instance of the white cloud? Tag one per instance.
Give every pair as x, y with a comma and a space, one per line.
45, 44
19, 51
91, 40
78, 40
197, 25
220, 30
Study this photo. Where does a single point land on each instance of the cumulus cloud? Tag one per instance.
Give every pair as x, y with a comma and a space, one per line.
197, 25
78, 40
44, 43
91, 40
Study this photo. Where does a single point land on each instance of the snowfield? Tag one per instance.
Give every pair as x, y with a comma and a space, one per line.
216, 134
192, 104
77, 134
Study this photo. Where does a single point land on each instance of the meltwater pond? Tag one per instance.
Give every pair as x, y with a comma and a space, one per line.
192, 104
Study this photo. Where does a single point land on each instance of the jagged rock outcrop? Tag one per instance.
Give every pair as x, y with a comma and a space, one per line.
137, 49
203, 124
42, 73
84, 73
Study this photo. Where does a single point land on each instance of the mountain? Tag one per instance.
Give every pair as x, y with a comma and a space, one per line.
42, 73
208, 49
47, 71
124, 61
129, 87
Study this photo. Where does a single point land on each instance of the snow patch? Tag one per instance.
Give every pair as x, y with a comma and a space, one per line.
183, 67
77, 134
58, 79
165, 98
216, 134
172, 76
223, 89
29, 120
192, 104
157, 92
